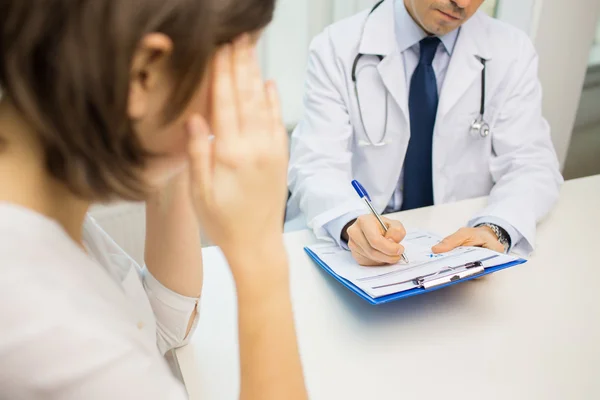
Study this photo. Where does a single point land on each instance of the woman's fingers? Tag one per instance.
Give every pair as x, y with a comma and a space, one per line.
251, 95
274, 108
225, 118
200, 157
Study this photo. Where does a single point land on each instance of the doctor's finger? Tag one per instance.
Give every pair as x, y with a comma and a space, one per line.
396, 231
357, 252
360, 258
372, 253
367, 256
376, 238
463, 237
358, 236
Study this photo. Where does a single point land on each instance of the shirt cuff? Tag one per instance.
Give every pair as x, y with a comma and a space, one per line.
172, 312
334, 228
515, 235
167, 296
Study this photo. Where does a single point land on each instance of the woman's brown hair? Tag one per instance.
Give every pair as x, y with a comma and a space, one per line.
65, 65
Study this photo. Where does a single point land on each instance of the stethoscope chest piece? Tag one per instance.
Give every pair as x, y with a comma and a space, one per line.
480, 127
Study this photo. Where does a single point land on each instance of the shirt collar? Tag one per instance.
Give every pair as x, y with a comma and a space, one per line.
409, 33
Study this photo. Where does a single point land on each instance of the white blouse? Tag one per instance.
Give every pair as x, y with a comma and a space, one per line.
82, 325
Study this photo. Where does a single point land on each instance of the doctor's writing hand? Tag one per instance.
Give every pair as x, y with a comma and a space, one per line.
239, 177
370, 246
482, 236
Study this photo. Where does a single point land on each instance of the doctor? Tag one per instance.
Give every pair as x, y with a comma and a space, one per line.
424, 102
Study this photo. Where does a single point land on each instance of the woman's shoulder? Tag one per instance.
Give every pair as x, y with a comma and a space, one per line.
67, 330
30, 242
51, 284
42, 267
40, 264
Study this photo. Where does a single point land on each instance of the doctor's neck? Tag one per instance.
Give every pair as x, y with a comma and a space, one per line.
24, 179
410, 7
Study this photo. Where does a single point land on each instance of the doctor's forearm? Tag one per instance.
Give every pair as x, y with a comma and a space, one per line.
173, 252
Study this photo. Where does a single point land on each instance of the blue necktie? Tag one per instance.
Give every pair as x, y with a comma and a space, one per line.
423, 104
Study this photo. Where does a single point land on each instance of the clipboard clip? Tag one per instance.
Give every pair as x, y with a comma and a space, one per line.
449, 275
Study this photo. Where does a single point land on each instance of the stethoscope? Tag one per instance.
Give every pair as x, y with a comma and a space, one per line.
479, 127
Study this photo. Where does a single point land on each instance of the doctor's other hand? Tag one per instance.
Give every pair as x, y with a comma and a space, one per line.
239, 176
482, 236
370, 245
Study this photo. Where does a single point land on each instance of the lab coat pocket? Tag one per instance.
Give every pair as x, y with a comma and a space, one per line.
468, 185
472, 148
467, 157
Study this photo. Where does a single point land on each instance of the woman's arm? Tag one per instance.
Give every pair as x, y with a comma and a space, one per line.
269, 358
239, 191
173, 252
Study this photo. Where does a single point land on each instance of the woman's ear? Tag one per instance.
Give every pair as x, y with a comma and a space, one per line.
148, 70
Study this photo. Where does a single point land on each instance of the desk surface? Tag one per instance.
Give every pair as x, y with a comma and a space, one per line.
530, 332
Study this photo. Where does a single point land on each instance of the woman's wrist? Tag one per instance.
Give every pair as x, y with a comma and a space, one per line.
252, 249
261, 265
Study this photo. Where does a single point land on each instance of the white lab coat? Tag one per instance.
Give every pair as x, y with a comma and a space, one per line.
516, 165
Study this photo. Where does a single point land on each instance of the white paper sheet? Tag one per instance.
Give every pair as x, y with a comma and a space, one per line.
382, 281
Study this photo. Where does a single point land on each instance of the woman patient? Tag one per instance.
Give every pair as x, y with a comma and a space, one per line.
154, 100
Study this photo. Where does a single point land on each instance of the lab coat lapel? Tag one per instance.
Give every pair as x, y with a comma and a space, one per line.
379, 38
465, 65
393, 75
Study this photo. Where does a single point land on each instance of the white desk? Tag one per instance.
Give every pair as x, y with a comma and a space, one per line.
530, 332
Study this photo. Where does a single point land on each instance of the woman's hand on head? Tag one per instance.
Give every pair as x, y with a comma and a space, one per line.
239, 174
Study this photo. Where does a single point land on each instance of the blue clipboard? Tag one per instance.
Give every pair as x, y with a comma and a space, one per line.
407, 293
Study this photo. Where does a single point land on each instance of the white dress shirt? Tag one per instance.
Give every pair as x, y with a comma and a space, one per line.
408, 37
82, 324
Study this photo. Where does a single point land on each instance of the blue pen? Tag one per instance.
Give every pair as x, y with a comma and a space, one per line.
362, 192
